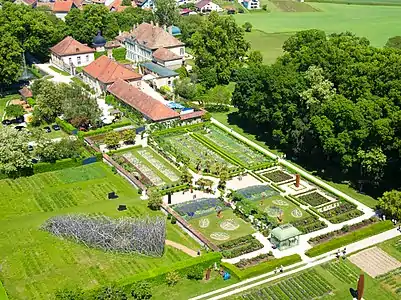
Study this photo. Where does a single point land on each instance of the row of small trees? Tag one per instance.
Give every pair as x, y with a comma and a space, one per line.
112, 139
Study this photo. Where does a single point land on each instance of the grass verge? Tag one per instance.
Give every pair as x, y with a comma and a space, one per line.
59, 71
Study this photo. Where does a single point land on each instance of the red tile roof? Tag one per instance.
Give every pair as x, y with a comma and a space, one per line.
192, 115
25, 92
62, 6
165, 54
117, 5
108, 71
148, 106
154, 37
202, 3
70, 46
30, 2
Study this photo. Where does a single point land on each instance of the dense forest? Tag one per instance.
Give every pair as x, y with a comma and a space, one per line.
333, 104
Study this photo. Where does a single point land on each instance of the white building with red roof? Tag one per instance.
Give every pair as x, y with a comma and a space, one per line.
69, 54
103, 72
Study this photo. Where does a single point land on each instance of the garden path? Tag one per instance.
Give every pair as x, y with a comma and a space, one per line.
57, 77
181, 247
261, 279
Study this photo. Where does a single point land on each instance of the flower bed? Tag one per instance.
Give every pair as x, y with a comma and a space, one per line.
277, 176
343, 212
343, 231
240, 246
130, 168
309, 224
256, 192
246, 263
144, 169
163, 167
198, 208
314, 199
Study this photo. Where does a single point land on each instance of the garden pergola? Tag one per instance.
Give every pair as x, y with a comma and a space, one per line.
285, 236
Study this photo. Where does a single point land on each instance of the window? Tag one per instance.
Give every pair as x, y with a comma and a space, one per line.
169, 82
182, 51
87, 58
70, 60
79, 60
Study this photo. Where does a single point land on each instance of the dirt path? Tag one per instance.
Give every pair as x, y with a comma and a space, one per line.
183, 248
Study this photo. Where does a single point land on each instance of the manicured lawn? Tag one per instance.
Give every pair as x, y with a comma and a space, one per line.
35, 263
392, 247
277, 204
59, 71
319, 282
186, 288
215, 224
3, 104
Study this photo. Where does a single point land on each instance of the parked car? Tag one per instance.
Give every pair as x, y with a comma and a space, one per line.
35, 160
19, 120
56, 127
19, 127
30, 148
6, 122
47, 129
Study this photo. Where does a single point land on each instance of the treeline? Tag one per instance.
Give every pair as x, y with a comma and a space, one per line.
333, 103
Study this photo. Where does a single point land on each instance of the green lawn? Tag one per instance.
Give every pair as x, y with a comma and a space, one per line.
392, 247
272, 206
330, 281
3, 103
35, 263
270, 29
215, 222
59, 71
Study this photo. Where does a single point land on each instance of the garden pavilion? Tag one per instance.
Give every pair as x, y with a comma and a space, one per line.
285, 236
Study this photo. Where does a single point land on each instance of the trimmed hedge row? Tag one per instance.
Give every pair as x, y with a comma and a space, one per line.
262, 268
350, 238
61, 164
179, 129
183, 267
3, 293
104, 129
174, 189
65, 126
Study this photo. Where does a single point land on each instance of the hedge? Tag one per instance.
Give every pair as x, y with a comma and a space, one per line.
178, 129
350, 238
181, 267
65, 126
61, 164
262, 268
104, 129
3, 293
174, 189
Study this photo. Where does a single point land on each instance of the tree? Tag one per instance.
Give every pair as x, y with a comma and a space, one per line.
185, 88
14, 110
172, 278
14, 154
390, 204
112, 139
186, 176
126, 3
155, 201
10, 58
166, 12
129, 136
141, 291
188, 26
80, 108
223, 177
50, 151
394, 42
109, 293
247, 26
372, 163
255, 58
218, 96
219, 47
131, 16
49, 98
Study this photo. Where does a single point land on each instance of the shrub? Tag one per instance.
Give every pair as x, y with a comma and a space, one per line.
31, 102
65, 126
58, 165
68, 294
172, 278
195, 273
155, 201
141, 291
173, 220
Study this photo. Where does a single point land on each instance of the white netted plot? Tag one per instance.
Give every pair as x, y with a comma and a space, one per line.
229, 225
220, 236
280, 202
204, 223
273, 211
296, 213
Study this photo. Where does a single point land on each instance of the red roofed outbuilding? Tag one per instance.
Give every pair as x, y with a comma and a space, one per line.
149, 107
103, 72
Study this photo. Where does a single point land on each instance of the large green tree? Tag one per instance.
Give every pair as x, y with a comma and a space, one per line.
394, 42
10, 58
166, 12
219, 47
390, 203
49, 98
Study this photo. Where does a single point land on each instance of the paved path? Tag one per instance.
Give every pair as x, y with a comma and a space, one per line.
181, 247
57, 77
247, 284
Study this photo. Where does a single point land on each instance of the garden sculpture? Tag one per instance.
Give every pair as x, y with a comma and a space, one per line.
219, 214
361, 286
208, 271
297, 180
226, 276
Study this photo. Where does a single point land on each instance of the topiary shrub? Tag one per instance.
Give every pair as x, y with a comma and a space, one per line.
172, 278
141, 291
196, 273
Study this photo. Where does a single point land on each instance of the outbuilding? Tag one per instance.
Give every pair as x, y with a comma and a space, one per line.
285, 236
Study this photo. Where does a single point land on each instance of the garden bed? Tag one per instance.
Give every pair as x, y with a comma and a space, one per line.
277, 176
240, 246
247, 263
309, 224
343, 212
314, 199
199, 207
256, 192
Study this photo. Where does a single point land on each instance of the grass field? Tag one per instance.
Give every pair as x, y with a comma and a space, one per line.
3, 104
276, 204
330, 281
34, 263
271, 29
215, 226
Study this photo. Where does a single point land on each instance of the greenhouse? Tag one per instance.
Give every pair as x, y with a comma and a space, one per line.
285, 236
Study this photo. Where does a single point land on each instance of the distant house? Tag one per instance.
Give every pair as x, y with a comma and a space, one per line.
158, 75
62, 7
144, 4
185, 11
251, 4
103, 72
144, 40
117, 5
150, 108
69, 54
31, 3
205, 6
25, 93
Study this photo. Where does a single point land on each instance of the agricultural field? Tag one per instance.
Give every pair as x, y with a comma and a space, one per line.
279, 207
332, 280
233, 147
153, 166
225, 227
271, 29
35, 263
199, 155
